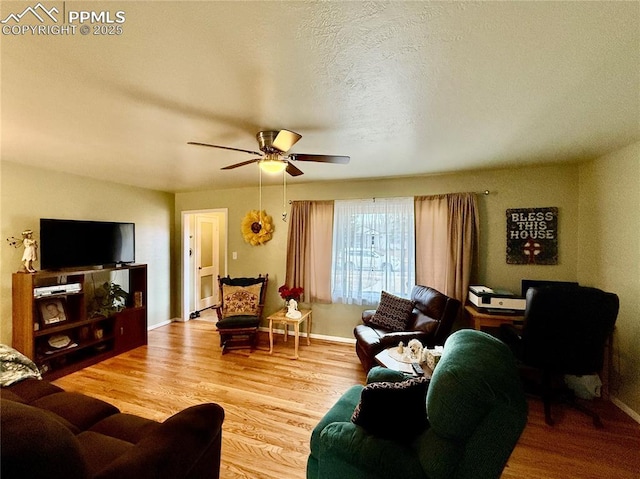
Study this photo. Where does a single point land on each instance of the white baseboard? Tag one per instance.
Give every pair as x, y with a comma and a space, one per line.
335, 339
626, 409
158, 325
303, 334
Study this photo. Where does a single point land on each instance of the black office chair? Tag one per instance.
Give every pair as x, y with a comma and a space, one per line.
565, 331
240, 310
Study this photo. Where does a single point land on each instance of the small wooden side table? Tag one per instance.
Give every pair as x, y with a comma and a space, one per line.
484, 320
280, 317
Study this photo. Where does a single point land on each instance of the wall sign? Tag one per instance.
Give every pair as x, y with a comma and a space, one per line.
532, 236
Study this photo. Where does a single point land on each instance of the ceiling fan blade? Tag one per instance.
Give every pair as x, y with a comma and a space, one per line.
293, 170
320, 158
231, 167
285, 139
224, 147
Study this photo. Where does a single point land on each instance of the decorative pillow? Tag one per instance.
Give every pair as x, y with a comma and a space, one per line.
394, 410
240, 300
393, 313
15, 366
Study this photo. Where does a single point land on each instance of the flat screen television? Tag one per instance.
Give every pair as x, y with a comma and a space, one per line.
72, 243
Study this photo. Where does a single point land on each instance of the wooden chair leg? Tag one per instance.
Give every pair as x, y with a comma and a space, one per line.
223, 342
240, 338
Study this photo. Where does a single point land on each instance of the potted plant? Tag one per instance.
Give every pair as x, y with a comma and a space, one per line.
108, 299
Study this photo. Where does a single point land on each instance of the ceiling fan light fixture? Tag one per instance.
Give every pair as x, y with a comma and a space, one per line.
270, 165
275, 158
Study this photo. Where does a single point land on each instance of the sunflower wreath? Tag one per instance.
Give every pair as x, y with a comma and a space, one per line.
257, 227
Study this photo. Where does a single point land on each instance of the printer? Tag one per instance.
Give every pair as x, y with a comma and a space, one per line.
496, 301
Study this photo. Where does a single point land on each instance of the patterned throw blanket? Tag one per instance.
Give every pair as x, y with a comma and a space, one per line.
15, 366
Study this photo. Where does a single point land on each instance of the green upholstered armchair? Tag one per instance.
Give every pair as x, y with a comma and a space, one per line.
476, 409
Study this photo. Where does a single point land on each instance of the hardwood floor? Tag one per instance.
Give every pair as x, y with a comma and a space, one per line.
273, 402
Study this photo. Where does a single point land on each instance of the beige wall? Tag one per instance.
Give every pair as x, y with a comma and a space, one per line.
28, 194
609, 255
510, 188
599, 220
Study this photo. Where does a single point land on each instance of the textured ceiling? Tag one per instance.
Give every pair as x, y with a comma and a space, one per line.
404, 88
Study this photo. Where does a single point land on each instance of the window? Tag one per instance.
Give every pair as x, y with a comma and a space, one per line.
373, 249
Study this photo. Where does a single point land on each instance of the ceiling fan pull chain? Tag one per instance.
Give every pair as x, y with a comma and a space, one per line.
284, 196
260, 198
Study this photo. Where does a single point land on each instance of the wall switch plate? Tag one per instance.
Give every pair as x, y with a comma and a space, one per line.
234, 255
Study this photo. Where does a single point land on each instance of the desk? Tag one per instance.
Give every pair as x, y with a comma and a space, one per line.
280, 317
484, 320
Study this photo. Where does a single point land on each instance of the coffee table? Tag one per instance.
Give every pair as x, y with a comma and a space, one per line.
280, 317
384, 359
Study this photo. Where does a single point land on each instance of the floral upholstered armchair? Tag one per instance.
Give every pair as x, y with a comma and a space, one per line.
240, 310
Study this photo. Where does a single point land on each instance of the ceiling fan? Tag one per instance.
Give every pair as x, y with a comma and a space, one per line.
274, 146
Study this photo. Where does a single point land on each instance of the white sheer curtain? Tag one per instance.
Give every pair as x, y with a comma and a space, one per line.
373, 249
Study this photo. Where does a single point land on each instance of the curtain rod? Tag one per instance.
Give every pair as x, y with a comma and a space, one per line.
485, 193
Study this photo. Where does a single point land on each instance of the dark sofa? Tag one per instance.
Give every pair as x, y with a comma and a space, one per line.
48, 432
430, 322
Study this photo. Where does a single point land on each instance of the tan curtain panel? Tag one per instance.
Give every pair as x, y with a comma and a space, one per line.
447, 237
309, 249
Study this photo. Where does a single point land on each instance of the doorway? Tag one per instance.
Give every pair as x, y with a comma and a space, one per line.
204, 257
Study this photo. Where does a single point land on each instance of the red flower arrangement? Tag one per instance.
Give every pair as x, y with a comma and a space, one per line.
287, 293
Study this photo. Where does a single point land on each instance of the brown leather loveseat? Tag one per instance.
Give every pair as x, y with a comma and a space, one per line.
50, 433
430, 321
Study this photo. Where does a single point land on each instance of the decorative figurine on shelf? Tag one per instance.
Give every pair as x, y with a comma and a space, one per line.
292, 310
30, 251
291, 297
415, 350
400, 347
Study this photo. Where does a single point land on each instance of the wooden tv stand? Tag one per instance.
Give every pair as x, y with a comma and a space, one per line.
47, 313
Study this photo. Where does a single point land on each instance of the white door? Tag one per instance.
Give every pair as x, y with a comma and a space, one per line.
206, 261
